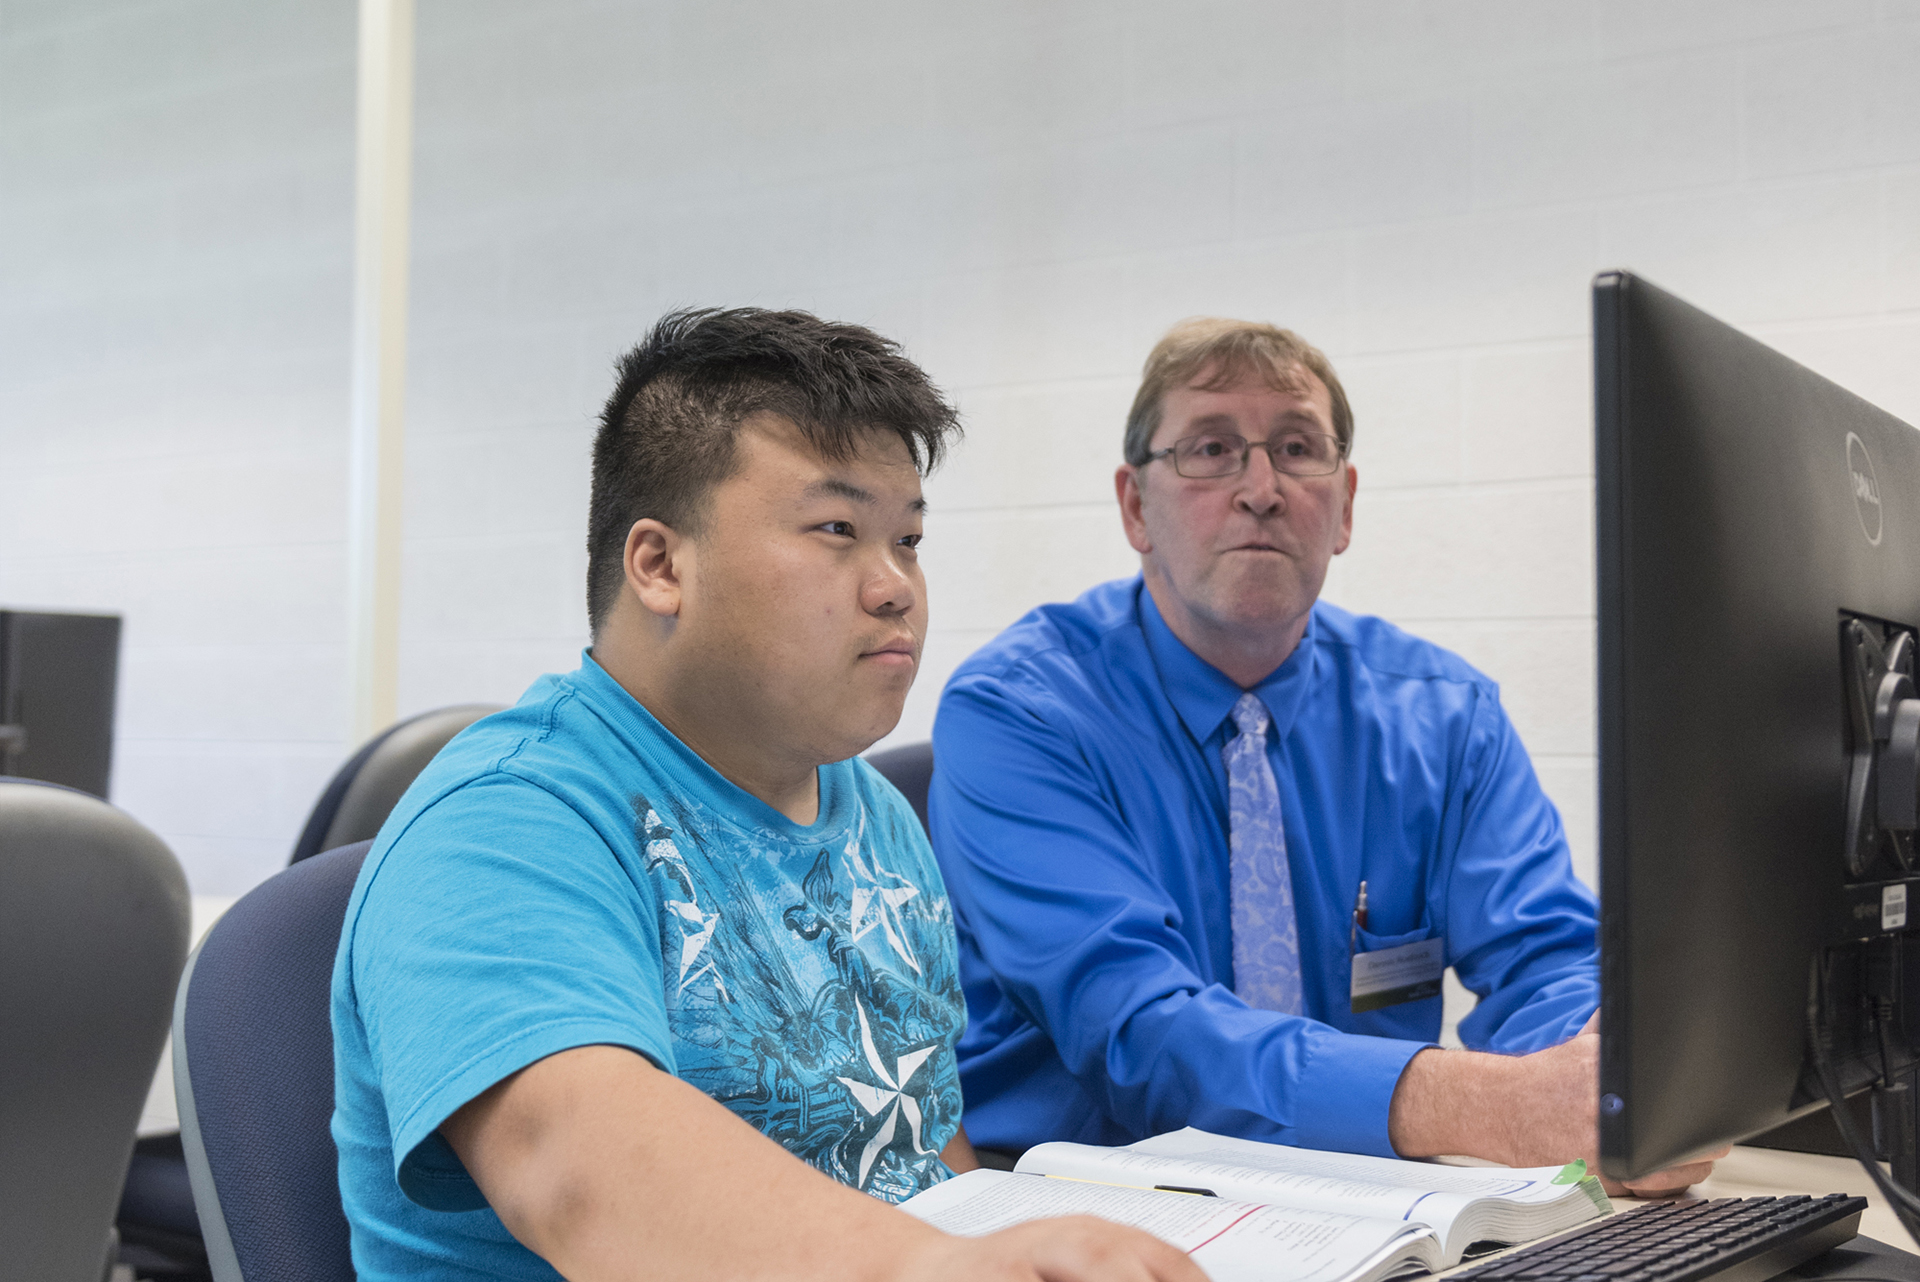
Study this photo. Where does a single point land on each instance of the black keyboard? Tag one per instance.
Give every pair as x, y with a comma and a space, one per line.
1730, 1239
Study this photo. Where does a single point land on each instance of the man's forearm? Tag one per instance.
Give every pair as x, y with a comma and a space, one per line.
1464, 1102
1522, 1110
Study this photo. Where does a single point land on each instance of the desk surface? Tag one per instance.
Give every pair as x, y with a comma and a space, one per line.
1766, 1172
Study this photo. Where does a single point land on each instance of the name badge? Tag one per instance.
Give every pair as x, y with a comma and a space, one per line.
1390, 976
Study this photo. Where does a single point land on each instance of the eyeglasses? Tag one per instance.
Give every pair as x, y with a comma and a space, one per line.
1216, 454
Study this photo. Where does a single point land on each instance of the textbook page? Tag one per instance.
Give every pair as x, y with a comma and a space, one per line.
1230, 1241
1453, 1200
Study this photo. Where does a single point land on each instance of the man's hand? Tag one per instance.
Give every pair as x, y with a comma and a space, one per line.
599, 1162
1523, 1110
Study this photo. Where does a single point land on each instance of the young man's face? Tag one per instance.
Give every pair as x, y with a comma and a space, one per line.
806, 606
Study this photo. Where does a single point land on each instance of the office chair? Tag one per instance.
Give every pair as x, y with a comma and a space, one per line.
157, 1219
94, 924
364, 791
910, 769
253, 1071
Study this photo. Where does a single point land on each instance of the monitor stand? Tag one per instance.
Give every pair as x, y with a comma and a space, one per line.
1816, 1132
1869, 1109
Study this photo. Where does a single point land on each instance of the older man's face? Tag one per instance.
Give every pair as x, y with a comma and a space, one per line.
1240, 558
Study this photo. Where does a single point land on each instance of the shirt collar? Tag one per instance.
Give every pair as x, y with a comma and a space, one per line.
1203, 695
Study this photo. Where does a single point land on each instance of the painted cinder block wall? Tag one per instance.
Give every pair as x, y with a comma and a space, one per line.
1025, 194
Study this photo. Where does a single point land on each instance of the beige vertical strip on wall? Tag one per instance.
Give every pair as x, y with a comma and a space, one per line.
376, 460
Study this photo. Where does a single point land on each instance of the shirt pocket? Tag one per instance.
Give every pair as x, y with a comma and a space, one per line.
1418, 1020
1368, 942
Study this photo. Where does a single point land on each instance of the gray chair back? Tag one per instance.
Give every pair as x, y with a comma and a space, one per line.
364, 792
94, 927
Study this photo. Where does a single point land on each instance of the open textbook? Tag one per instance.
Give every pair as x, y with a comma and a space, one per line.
1247, 1210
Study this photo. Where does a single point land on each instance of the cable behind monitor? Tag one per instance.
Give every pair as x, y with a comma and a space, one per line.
1904, 1202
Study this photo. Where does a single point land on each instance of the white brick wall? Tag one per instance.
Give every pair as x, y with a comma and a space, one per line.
175, 196
1026, 195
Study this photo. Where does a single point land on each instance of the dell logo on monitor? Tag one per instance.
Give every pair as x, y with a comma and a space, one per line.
1866, 489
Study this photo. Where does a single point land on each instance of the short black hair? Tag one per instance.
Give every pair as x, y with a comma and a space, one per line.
667, 434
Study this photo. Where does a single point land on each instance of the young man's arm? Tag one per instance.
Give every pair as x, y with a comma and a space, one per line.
606, 1167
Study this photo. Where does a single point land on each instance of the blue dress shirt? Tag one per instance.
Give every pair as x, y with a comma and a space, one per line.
1079, 812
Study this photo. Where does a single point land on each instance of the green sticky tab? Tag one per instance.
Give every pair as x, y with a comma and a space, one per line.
1572, 1173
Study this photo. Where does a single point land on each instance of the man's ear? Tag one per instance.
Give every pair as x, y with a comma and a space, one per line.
1346, 514
1126, 487
657, 558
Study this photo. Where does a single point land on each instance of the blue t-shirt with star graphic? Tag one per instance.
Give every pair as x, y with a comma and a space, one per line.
568, 873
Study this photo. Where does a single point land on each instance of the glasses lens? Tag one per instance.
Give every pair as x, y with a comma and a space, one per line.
1209, 455
1305, 453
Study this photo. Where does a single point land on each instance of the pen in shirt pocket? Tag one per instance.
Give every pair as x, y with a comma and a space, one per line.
1359, 918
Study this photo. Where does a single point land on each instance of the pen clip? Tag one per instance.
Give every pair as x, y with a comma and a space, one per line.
1359, 919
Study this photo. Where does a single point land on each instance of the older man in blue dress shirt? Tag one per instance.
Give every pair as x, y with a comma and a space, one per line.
1211, 841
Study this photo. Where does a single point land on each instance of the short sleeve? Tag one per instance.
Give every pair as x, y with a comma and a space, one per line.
500, 927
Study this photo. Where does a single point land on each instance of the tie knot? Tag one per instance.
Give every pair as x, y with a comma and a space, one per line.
1250, 715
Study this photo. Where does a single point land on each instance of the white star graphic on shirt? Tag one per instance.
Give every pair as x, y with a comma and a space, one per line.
696, 925
890, 1097
696, 930
877, 902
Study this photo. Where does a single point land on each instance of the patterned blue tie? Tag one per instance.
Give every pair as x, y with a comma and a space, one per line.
1266, 937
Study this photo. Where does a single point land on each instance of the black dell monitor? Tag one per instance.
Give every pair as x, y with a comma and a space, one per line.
1758, 556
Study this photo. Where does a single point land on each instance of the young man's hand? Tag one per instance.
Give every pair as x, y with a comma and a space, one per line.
597, 1161
1075, 1248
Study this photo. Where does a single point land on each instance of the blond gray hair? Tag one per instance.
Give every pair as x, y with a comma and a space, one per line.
1221, 352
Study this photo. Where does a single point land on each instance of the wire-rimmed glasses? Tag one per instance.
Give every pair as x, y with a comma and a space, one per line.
1211, 455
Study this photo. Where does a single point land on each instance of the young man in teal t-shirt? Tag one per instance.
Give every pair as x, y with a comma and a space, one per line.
660, 898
